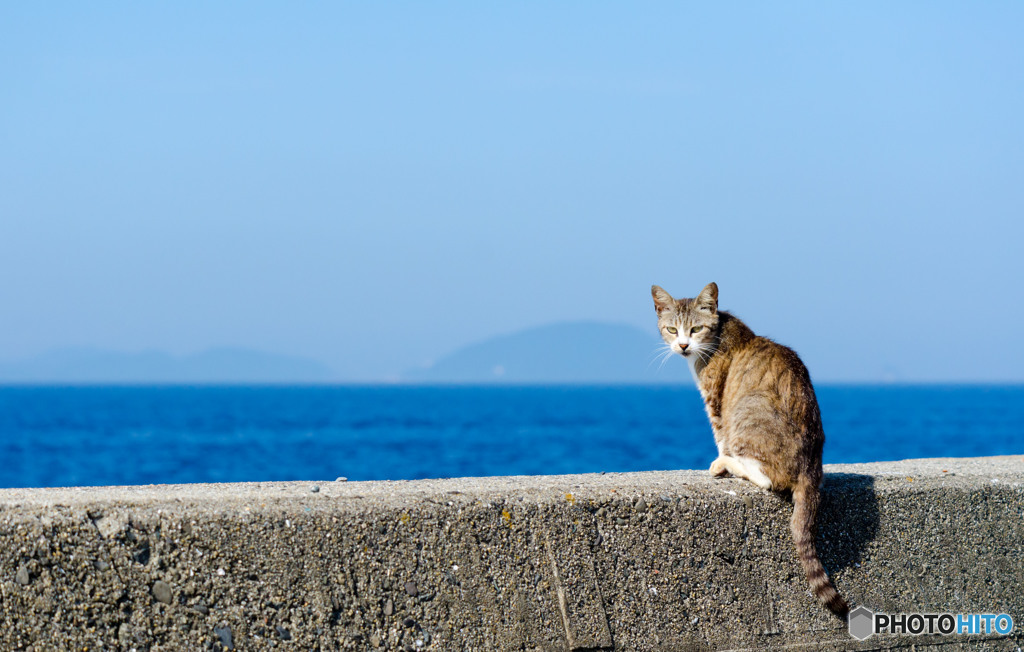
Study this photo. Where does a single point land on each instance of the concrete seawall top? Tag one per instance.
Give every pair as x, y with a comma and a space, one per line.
636, 561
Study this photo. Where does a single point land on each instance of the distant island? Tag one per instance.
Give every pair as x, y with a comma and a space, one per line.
564, 353
573, 352
214, 366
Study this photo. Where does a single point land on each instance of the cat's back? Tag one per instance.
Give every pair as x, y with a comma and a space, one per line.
761, 363
772, 376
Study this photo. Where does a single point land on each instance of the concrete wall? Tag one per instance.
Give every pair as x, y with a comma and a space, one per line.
642, 561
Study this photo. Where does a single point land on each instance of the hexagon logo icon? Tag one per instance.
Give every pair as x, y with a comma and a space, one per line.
861, 623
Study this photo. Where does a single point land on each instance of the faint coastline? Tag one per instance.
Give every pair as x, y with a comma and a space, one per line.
219, 365
569, 352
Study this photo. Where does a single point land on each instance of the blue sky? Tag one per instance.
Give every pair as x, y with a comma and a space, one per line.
373, 185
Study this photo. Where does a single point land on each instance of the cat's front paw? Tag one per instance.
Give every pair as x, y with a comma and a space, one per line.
718, 468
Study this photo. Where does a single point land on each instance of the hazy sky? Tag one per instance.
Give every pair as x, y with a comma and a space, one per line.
376, 184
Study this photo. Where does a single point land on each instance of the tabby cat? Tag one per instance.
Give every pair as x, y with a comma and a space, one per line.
763, 411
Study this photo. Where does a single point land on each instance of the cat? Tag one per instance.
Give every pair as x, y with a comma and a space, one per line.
763, 412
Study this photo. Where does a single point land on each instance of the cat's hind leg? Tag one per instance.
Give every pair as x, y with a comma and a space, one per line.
719, 467
754, 472
742, 467
726, 464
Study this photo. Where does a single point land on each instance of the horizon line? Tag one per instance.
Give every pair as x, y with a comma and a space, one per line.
505, 384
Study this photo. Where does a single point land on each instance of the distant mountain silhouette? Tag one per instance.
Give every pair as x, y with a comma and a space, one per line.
576, 352
223, 365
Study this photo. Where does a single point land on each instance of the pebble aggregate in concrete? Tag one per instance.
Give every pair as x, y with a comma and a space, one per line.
162, 592
224, 636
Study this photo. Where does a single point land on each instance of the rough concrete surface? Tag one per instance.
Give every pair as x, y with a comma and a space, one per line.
639, 561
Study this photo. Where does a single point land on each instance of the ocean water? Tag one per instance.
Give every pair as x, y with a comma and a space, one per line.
76, 436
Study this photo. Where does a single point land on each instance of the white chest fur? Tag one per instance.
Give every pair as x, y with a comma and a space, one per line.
691, 362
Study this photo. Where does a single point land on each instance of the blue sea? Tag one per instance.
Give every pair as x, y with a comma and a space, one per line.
109, 435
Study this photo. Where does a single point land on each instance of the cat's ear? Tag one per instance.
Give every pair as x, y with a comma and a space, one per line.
662, 299
708, 298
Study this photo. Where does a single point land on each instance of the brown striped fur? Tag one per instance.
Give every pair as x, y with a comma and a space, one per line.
763, 412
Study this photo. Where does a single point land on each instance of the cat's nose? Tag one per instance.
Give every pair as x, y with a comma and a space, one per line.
682, 347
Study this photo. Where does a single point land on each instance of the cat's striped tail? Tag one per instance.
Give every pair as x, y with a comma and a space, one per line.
805, 514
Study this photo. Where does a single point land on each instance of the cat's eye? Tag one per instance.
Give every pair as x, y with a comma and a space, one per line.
672, 330
696, 329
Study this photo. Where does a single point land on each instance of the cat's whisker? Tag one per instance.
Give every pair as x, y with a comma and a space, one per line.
664, 360
704, 355
666, 355
656, 357
658, 351
662, 353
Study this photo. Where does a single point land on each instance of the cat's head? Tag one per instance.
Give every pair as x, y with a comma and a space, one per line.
688, 326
